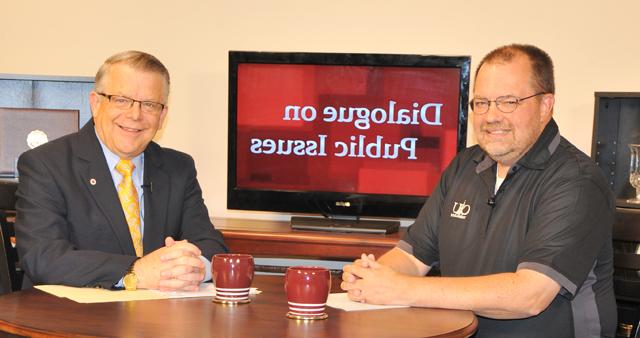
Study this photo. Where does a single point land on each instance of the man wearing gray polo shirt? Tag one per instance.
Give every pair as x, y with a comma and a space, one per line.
519, 225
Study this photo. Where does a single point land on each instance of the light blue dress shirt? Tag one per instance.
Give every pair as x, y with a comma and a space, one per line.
136, 176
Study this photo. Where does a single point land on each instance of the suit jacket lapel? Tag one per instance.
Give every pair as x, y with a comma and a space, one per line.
97, 179
156, 198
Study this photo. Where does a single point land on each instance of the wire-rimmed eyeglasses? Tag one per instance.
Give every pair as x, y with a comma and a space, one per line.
506, 104
123, 102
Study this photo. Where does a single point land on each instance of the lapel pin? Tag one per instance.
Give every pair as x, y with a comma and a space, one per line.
92, 181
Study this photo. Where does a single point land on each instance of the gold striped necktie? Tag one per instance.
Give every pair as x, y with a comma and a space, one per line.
129, 200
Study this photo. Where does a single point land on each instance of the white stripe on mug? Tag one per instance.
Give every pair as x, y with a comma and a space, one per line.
306, 304
305, 314
232, 293
231, 298
316, 309
227, 289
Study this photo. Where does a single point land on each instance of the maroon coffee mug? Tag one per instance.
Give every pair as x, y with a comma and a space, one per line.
232, 275
307, 289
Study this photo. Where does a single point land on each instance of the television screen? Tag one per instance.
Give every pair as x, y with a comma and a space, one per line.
347, 134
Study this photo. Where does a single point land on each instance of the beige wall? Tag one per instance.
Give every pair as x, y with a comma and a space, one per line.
594, 45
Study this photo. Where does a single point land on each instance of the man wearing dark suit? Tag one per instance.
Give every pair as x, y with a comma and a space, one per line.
76, 224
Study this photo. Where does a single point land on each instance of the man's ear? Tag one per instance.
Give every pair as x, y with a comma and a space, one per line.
94, 101
546, 106
163, 115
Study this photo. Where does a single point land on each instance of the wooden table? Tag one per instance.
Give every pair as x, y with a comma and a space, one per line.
277, 239
35, 313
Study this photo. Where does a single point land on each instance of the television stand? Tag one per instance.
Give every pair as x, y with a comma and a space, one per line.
344, 225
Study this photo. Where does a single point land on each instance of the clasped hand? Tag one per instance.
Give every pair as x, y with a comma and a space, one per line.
176, 266
368, 281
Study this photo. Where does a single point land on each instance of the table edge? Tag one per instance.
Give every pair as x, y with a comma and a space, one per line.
33, 332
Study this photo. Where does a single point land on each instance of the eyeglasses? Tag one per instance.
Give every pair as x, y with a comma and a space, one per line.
123, 102
506, 104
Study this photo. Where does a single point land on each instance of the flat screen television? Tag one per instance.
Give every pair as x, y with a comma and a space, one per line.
342, 134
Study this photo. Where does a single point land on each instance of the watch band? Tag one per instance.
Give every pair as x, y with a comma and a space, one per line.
130, 279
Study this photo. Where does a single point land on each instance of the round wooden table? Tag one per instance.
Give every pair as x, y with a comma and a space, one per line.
36, 313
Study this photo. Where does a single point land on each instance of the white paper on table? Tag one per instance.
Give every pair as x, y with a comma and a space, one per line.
341, 301
93, 295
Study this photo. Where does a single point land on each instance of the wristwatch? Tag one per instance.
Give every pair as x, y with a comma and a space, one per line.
130, 279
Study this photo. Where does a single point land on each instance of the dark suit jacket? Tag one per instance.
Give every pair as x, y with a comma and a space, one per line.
70, 227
